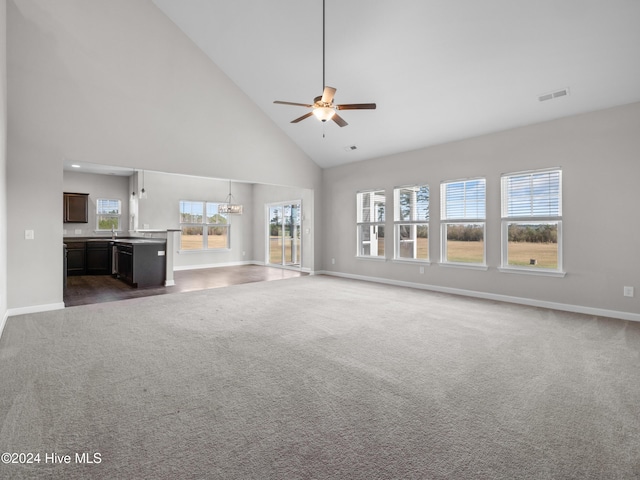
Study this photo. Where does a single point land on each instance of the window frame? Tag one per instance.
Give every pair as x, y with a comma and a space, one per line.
205, 225
374, 226
464, 219
530, 219
414, 222
100, 216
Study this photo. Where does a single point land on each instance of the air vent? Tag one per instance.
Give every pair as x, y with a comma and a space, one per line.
549, 96
350, 148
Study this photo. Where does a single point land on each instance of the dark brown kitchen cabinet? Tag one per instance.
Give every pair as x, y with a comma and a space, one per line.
76, 261
76, 207
98, 258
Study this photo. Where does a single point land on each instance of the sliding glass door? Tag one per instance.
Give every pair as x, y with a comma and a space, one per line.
283, 232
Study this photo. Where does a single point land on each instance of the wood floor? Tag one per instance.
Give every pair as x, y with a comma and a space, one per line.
87, 289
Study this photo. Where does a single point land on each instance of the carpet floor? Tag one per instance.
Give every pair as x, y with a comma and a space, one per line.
319, 378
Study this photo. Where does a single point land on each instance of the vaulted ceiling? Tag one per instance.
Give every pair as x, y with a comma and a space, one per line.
439, 70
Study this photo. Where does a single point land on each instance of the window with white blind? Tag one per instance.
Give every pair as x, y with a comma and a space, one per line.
108, 211
370, 223
202, 226
532, 220
411, 223
462, 221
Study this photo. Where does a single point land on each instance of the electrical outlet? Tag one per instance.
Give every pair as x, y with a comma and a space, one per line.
628, 291
333, 261
28, 235
421, 269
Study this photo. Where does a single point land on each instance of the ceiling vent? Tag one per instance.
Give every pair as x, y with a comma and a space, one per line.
350, 148
550, 96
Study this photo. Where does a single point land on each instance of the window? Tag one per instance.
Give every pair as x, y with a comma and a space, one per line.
532, 220
108, 213
411, 222
202, 226
370, 218
462, 220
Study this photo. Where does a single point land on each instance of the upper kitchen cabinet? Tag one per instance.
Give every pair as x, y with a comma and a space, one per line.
76, 207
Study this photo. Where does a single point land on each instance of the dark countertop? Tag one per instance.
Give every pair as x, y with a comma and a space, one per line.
122, 240
140, 241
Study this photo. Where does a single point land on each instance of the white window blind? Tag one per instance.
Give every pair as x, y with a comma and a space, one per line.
534, 194
463, 200
412, 204
106, 206
532, 221
371, 207
191, 212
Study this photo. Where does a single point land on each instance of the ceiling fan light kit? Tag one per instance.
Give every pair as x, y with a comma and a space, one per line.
324, 113
323, 106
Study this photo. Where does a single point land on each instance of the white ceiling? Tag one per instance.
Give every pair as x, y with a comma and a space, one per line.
439, 70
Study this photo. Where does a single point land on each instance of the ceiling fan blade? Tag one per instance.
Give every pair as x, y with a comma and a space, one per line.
293, 103
356, 106
302, 117
327, 94
339, 120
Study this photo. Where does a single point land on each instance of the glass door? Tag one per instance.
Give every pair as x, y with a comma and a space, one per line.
284, 239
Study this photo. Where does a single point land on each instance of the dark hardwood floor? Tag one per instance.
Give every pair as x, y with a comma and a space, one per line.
87, 289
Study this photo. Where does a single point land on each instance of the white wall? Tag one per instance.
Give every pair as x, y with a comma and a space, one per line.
116, 83
160, 210
600, 158
97, 186
3, 161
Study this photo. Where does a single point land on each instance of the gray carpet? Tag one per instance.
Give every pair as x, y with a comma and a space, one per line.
321, 378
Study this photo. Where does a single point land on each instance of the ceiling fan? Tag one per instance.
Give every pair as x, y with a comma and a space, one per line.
323, 106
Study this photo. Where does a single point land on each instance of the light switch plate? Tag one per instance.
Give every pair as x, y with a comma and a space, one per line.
628, 291
29, 235
161, 253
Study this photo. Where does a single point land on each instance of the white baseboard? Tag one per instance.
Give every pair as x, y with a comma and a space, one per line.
235, 264
3, 322
213, 265
600, 312
35, 309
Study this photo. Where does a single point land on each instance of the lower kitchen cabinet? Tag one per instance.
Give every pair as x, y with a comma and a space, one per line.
98, 258
76, 258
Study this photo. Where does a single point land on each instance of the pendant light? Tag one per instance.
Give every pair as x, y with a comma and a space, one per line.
229, 206
133, 181
143, 192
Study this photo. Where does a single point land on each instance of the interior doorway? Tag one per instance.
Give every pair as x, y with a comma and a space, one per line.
284, 246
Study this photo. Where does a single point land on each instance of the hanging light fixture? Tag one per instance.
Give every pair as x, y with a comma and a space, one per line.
324, 113
133, 180
143, 192
229, 206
